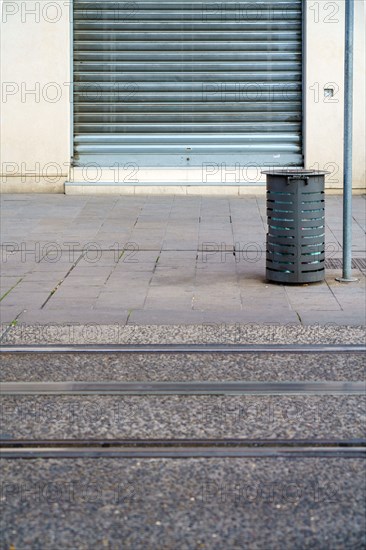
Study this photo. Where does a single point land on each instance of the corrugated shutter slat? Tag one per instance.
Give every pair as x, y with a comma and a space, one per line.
181, 83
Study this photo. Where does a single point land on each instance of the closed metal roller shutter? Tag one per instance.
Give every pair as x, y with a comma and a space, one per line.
168, 83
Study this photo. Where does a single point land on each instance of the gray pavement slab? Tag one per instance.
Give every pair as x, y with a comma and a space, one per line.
349, 317
61, 316
214, 316
153, 303
198, 235
10, 313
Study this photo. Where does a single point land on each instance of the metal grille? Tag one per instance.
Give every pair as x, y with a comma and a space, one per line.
336, 263
181, 83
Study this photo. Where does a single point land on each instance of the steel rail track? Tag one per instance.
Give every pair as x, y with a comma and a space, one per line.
183, 348
178, 448
210, 448
183, 388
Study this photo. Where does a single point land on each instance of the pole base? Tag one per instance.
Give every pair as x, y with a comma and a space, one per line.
346, 280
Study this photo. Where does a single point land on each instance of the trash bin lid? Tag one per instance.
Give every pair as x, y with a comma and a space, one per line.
295, 172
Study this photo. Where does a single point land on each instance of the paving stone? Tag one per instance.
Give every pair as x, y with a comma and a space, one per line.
173, 282
133, 268
191, 230
341, 317
124, 300
120, 278
63, 303
78, 292
181, 303
24, 299
9, 313
74, 315
172, 317
315, 301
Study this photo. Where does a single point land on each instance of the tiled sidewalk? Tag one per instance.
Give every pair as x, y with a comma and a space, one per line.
162, 260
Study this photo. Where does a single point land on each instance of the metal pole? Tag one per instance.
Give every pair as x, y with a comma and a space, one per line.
347, 151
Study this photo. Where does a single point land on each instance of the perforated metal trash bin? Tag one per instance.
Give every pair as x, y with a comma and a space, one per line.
296, 226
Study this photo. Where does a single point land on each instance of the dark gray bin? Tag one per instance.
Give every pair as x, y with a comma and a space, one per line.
296, 226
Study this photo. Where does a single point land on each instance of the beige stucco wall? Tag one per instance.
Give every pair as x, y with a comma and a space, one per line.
324, 69
359, 149
35, 131
35, 108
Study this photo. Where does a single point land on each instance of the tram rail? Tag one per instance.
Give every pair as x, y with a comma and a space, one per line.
183, 448
182, 348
